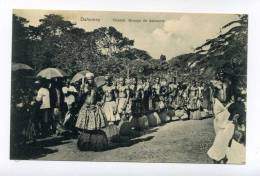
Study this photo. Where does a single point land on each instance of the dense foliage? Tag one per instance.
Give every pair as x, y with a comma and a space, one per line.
228, 51
56, 42
59, 43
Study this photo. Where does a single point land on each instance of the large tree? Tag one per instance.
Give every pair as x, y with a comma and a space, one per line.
20, 41
229, 49
56, 42
110, 41
47, 43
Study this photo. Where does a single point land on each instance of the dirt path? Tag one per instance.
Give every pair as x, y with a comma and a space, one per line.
179, 141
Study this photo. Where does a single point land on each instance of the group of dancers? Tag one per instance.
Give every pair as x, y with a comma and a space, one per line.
85, 106
224, 98
124, 99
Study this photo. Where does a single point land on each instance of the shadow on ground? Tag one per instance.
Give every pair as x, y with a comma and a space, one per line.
38, 148
133, 138
41, 147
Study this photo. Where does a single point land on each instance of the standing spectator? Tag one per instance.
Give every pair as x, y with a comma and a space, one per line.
236, 152
70, 96
70, 93
43, 97
33, 127
57, 105
21, 116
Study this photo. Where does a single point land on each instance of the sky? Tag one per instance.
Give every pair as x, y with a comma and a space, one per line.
171, 34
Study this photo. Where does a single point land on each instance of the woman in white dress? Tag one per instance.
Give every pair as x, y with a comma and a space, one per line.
224, 127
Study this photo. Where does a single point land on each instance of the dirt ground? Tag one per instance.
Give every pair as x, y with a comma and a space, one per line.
179, 141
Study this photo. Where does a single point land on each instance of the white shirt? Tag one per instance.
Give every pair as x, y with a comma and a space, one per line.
66, 89
69, 99
43, 95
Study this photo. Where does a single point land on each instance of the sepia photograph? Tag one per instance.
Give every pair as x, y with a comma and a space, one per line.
149, 87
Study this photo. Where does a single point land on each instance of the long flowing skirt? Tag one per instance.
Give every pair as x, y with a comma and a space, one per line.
236, 153
224, 130
219, 148
91, 118
109, 109
122, 103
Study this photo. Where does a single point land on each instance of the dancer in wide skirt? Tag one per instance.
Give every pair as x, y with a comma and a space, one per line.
90, 115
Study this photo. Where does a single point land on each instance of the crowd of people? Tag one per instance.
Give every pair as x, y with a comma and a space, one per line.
49, 107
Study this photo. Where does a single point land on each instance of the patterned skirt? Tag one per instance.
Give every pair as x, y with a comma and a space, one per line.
179, 102
194, 103
91, 118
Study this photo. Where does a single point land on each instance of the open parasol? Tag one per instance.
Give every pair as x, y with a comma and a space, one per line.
20, 66
78, 76
50, 73
100, 81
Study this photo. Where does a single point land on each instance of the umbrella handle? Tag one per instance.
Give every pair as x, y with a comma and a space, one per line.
83, 84
82, 81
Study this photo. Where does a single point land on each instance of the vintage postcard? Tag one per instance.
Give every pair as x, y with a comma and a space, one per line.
129, 86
